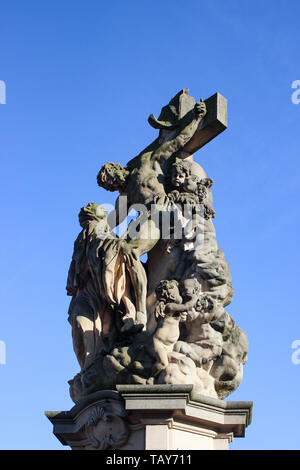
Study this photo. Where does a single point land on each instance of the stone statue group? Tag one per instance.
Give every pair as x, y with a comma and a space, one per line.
161, 321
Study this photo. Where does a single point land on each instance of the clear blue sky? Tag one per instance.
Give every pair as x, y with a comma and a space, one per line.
81, 79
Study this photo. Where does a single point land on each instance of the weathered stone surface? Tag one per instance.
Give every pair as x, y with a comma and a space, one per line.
163, 321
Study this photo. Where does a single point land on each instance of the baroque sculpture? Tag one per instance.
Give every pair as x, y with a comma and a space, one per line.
162, 321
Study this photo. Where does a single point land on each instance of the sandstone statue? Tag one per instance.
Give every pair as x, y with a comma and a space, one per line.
162, 321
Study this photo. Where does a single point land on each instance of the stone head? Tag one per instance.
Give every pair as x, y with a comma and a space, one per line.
91, 212
112, 177
180, 170
168, 291
190, 287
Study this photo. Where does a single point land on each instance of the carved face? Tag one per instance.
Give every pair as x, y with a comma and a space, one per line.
177, 177
100, 212
173, 293
190, 287
91, 212
112, 181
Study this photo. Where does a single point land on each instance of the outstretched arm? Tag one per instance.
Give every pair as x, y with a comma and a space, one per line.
172, 308
188, 129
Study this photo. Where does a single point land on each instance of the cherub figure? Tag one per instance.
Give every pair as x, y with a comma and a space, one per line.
191, 289
167, 331
202, 343
170, 311
190, 188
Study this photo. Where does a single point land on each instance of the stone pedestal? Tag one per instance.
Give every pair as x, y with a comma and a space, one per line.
151, 417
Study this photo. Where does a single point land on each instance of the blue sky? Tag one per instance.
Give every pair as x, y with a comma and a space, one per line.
81, 79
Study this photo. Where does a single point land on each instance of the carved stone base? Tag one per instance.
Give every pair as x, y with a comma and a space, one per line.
151, 417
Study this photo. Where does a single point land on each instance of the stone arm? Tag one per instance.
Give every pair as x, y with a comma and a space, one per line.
188, 129
172, 308
193, 314
119, 214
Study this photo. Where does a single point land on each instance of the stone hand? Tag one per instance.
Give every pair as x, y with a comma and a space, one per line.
183, 316
200, 108
160, 310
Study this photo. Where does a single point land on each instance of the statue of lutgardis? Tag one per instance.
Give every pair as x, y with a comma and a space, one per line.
163, 321
107, 284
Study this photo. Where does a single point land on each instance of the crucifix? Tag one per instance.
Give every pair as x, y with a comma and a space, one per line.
184, 127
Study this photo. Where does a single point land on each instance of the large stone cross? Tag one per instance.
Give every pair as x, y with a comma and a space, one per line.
181, 105
212, 125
